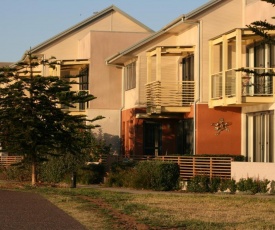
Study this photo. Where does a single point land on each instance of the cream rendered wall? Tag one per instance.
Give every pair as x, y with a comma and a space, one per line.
105, 81
109, 129
67, 47
84, 47
222, 18
259, 10
255, 170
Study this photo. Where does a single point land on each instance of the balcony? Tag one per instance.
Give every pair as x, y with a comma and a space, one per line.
241, 88
169, 96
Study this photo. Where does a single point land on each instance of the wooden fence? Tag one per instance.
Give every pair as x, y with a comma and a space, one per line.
190, 166
9, 160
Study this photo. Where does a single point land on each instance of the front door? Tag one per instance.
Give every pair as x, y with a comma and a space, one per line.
260, 135
152, 138
185, 137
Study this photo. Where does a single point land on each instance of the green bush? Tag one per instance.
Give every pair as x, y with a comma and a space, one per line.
91, 174
272, 187
143, 175
262, 186
17, 173
121, 174
232, 186
156, 175
198, 184
165, 176
224, 185
253, 186
214, 184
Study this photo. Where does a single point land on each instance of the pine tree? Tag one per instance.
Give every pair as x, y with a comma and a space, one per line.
32, 121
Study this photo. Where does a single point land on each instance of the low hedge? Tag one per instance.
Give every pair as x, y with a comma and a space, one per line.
203, 184
155, 175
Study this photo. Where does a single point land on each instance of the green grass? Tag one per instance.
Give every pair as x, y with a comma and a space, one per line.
111, 210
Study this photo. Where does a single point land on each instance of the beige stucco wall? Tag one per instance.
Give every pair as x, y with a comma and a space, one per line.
109, 129
222, 18
252, 169
259, 10
105, 81
67, 47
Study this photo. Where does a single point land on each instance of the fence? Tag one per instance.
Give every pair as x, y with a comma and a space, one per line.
9, 160
190, 166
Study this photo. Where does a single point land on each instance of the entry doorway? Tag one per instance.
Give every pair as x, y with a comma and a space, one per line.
152, 138
185, 137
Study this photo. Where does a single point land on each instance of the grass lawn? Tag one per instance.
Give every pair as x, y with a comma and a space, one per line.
99, 209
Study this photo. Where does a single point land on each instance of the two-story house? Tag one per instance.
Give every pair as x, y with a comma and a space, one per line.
183, 96
84, 48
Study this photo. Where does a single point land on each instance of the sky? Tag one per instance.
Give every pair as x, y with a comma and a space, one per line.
27, 23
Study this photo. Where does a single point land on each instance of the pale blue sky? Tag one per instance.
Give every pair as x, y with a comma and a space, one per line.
27, 23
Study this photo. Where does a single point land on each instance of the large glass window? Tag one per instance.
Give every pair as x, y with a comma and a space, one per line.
130, 76
188, 68
260, 136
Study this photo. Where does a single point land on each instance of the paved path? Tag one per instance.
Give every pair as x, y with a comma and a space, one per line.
29, 211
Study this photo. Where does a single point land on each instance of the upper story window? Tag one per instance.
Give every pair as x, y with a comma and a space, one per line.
84, 78
130, 76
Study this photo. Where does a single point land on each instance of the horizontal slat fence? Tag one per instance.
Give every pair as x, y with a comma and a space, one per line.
9, 160
208, 166
189, 166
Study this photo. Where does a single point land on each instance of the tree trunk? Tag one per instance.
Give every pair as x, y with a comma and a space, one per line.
34, 175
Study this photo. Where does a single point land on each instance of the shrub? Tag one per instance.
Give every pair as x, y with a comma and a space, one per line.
144, 175
214, 184
17, 172
261, 186
272, 187
91, 174
232, 186
165, 176
253, 186
224, 185
156, 175
198, 183
121, 174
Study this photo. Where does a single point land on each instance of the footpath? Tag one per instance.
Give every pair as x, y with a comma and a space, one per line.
29, 211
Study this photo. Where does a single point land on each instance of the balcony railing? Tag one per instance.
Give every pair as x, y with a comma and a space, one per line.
169, 94
258, 85
250, 84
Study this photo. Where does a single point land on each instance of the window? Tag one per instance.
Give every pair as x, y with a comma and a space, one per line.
130, 76
188, 68
260, 136
84, 85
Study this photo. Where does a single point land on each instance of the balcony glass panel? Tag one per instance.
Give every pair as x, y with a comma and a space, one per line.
216, 86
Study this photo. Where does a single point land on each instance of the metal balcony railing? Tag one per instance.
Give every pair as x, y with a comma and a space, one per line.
258, 84
251, 84
170, 94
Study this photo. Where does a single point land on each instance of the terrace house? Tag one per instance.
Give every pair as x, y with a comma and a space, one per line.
84, 48
182, 94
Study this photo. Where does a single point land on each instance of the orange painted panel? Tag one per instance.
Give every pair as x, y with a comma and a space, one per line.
227, 142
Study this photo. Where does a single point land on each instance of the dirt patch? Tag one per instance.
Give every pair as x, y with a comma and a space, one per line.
121, 220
